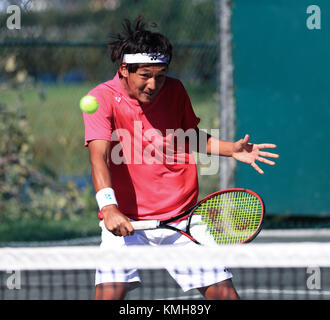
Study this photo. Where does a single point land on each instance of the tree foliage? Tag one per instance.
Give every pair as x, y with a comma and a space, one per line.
25, 191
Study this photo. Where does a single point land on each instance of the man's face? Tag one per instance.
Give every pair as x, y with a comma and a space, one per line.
146, 82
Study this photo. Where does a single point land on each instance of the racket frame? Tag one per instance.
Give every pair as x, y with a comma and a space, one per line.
164, 224
254, 235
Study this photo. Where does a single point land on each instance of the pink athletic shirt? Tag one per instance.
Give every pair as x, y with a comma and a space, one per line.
153, 177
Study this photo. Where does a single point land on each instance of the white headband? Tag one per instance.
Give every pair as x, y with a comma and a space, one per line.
145, 58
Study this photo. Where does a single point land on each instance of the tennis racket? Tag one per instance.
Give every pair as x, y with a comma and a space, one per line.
231, 216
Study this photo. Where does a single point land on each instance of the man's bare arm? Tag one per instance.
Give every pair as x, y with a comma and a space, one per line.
115, 221
241, 150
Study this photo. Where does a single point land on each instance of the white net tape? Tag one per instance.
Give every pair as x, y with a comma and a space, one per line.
235, 256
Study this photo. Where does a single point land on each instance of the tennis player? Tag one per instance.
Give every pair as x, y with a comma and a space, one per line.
132, 175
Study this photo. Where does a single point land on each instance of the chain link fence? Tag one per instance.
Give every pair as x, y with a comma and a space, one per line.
59, 39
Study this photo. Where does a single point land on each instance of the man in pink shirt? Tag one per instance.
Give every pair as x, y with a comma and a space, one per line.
136, 158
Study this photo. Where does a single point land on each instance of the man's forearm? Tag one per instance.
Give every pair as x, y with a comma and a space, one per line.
219, 147
98, 153
211, 145
100, 176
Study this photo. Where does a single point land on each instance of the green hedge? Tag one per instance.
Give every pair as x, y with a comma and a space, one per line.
25, 191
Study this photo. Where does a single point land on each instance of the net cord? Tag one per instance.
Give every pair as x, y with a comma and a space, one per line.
92, 257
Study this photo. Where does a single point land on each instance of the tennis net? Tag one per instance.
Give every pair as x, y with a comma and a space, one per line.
260, 271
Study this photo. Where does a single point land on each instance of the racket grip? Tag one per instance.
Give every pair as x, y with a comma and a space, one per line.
145, 225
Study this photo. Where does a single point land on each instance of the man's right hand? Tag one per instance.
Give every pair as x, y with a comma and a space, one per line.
116, 222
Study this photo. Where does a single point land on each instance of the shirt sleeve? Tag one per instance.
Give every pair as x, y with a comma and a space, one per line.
189, 119
98, 124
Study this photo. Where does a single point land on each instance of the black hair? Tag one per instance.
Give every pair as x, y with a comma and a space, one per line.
136, 39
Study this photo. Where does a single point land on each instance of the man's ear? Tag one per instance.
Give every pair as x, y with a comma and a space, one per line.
123, 69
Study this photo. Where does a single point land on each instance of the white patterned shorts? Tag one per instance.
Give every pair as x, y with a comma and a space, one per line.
186, 278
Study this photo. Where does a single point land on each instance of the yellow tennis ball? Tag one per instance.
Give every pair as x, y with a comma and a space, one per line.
88, 104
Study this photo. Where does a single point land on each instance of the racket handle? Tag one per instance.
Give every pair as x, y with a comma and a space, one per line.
145, 225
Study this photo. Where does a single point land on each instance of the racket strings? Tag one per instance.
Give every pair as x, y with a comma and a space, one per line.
229, 218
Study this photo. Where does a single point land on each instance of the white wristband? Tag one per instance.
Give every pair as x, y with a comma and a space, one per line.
106, 197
